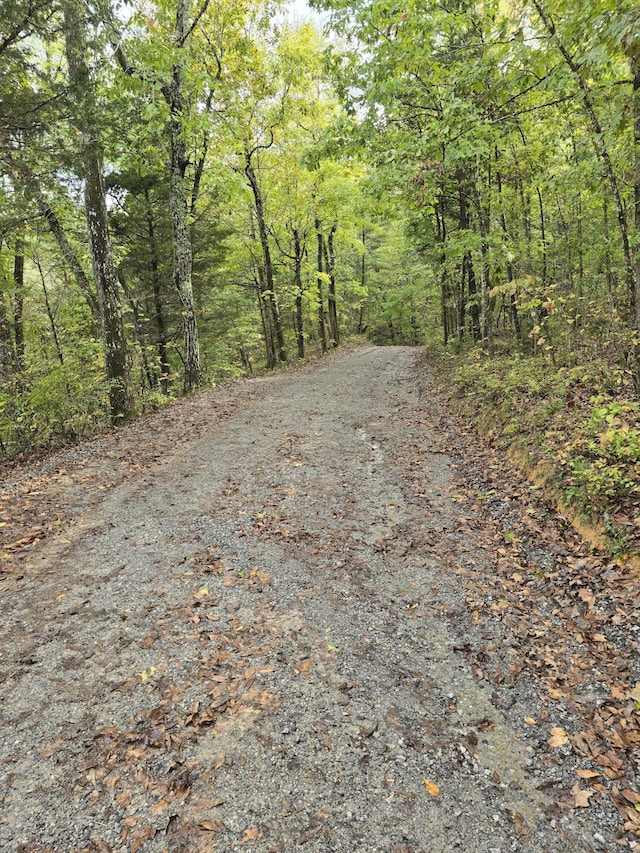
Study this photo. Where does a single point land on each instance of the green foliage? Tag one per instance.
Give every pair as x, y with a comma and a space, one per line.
584, 448
62, 403
603, 457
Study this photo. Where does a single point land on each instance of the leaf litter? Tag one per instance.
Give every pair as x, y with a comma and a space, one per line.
292, 657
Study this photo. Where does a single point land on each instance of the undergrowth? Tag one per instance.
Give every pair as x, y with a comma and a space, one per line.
575, 429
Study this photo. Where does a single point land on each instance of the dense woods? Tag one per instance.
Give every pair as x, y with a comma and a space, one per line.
179, 204
510, 135
195, 190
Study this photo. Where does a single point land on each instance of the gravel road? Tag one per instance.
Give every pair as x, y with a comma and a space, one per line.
256, 640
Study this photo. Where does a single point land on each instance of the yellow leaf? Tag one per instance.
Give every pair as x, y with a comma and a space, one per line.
530, 721
431, 788
201, 593
61, 596
558, 737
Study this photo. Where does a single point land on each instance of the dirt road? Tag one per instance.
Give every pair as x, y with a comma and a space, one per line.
251, 630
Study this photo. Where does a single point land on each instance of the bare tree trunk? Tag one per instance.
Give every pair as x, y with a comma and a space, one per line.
115, 346
609, 277
441, 230
525, 211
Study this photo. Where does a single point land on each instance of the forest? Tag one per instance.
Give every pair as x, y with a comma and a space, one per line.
193, 191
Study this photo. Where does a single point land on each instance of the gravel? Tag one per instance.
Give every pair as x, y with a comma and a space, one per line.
258, 641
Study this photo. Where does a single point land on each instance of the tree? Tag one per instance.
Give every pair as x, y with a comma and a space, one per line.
86, 121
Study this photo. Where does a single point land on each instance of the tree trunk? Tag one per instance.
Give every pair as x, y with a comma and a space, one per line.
7, 354
297, 286
543, 241
69, 254
322, 330
525, 206
158, 307
329, 258
182, 249
484, 221
267, 265
115, 347
441, 230
513, 302
18, 304
602, 150
138, 325
635, 73
363, 282
50, 315
609, 277
468, 276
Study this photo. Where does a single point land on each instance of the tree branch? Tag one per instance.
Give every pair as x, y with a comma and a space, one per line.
185, 37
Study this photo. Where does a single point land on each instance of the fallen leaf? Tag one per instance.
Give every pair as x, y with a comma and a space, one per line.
587, 596
632, 797
587, 774
251, 834
431, 788
635, 693
558, 737
147, 673
215, 825
581, 796
530, 721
